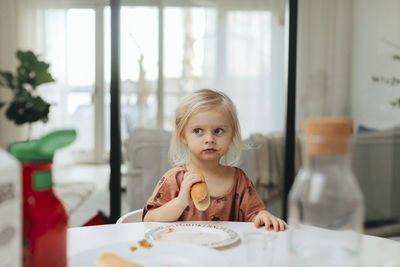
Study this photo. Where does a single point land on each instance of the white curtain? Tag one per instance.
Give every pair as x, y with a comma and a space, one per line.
244, 57
323, 58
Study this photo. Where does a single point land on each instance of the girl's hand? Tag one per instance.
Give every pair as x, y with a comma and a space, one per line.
189, 179
269, 221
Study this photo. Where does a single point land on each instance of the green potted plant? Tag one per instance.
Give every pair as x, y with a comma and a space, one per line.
26, 106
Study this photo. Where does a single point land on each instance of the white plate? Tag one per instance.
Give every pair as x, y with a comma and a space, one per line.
209, 235
173, 254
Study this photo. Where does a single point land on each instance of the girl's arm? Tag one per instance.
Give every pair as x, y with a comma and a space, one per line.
251, 202
169, 212
172, 210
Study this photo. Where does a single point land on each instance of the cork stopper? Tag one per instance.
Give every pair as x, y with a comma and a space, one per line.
328, 136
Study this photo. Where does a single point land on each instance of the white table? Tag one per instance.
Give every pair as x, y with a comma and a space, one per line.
376, 252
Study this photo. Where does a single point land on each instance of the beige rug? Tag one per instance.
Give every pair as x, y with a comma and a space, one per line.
74, 194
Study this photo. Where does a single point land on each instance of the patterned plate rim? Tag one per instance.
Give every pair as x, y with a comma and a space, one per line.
233, 236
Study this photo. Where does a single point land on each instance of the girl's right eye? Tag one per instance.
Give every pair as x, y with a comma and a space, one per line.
197, 131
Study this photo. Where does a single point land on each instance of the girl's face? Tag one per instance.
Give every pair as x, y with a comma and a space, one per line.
207, 134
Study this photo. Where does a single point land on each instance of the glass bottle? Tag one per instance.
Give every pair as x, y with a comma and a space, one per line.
326, 210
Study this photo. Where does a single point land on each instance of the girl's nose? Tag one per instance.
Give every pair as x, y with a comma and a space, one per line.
209, 138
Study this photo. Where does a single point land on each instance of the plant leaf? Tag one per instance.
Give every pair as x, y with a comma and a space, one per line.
32, 71
42, 75
26, 108
23, 76
28, 58
7, 79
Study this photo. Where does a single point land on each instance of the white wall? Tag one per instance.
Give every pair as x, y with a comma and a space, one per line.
376, 37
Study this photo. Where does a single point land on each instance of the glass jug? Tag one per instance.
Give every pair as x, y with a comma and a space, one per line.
326, 210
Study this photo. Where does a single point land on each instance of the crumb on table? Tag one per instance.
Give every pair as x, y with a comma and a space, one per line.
145, 244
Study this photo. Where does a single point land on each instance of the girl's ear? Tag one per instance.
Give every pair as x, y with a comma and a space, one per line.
183, 139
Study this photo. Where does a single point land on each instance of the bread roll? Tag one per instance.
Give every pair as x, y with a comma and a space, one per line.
107, 259
199, 194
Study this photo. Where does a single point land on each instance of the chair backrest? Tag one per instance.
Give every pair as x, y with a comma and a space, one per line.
133, 216
146, 160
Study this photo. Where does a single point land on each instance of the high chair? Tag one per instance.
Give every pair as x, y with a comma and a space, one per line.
133, 216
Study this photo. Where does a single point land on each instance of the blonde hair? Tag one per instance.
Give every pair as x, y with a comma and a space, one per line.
199, 100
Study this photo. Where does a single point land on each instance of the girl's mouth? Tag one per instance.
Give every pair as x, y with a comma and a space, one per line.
210, 150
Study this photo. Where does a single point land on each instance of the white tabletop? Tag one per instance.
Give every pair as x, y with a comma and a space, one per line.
376, 252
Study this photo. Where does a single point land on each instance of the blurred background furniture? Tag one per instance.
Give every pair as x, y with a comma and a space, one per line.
146, 159
376, 164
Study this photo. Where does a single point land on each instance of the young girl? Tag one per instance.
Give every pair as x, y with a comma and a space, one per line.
207, 138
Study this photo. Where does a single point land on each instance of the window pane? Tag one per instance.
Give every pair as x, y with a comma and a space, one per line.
139, 67
81, 78
184, 33
139, 42
80, 48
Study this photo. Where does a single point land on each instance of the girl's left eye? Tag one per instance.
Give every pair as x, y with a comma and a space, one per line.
218, 131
